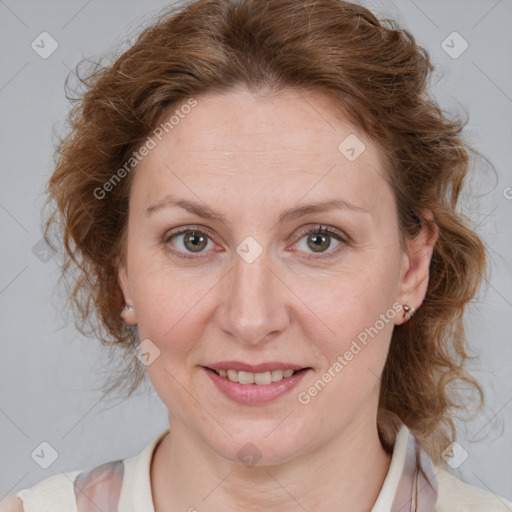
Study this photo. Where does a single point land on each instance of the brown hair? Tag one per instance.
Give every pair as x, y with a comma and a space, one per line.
377, 75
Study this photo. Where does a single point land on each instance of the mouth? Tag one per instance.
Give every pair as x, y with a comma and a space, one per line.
255, 388
256, 378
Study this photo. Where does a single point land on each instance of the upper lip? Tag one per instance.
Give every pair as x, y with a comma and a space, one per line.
254, 368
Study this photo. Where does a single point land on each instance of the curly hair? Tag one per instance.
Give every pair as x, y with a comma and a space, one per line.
378, 77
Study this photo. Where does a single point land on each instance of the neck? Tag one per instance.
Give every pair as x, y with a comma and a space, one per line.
345, 473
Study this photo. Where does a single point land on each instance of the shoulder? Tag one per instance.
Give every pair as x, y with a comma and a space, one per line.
72, 491
105, 486
457, 496
55, 491
11, 504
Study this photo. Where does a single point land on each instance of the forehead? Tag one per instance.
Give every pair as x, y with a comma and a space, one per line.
285, 145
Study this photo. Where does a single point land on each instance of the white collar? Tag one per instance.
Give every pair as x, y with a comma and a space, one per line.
136, 493
396, 467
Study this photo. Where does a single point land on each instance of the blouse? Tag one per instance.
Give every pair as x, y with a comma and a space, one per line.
412, 483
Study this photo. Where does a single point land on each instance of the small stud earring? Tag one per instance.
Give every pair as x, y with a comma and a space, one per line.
126, 307
409, 311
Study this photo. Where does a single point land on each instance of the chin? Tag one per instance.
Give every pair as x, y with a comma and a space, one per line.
254, 446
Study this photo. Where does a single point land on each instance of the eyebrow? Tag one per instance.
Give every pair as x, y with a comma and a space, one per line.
206, 212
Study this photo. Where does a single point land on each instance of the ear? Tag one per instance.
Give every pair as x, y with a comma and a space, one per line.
415, 266
128, 316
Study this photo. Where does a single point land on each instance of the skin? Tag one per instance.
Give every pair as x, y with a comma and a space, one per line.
252, 157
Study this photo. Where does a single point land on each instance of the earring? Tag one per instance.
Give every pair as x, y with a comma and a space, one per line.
126, 307
409, 311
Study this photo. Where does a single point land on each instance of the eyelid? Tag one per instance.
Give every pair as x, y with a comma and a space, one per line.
331, 230
183, 229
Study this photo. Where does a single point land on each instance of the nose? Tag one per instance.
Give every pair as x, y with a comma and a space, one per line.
253, 307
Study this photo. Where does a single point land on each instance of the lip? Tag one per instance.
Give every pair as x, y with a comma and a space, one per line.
254, 394
254, 368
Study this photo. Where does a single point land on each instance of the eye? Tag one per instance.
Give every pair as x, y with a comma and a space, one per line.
319, 239
190, 240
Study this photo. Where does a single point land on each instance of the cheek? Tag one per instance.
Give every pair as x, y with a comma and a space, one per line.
351, 337
350, 315
353, 296
170, 308
166, 301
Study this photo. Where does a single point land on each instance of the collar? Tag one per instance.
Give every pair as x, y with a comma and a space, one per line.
410, 484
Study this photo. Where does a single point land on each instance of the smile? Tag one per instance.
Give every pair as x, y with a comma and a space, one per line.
260, 379
255, 388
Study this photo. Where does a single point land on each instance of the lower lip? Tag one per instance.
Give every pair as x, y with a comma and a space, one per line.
253, 394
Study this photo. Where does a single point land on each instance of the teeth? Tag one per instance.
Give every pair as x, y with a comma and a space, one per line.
261, 379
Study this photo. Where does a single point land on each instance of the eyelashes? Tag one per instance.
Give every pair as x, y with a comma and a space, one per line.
202, 235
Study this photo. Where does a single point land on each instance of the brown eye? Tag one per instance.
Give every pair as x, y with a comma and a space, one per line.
318, 242
195, 241
187, 241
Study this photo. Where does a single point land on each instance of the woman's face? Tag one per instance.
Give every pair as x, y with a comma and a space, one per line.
251, 285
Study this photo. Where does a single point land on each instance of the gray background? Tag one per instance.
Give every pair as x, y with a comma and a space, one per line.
49, 375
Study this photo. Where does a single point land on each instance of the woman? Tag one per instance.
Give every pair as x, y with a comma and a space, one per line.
260, 198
